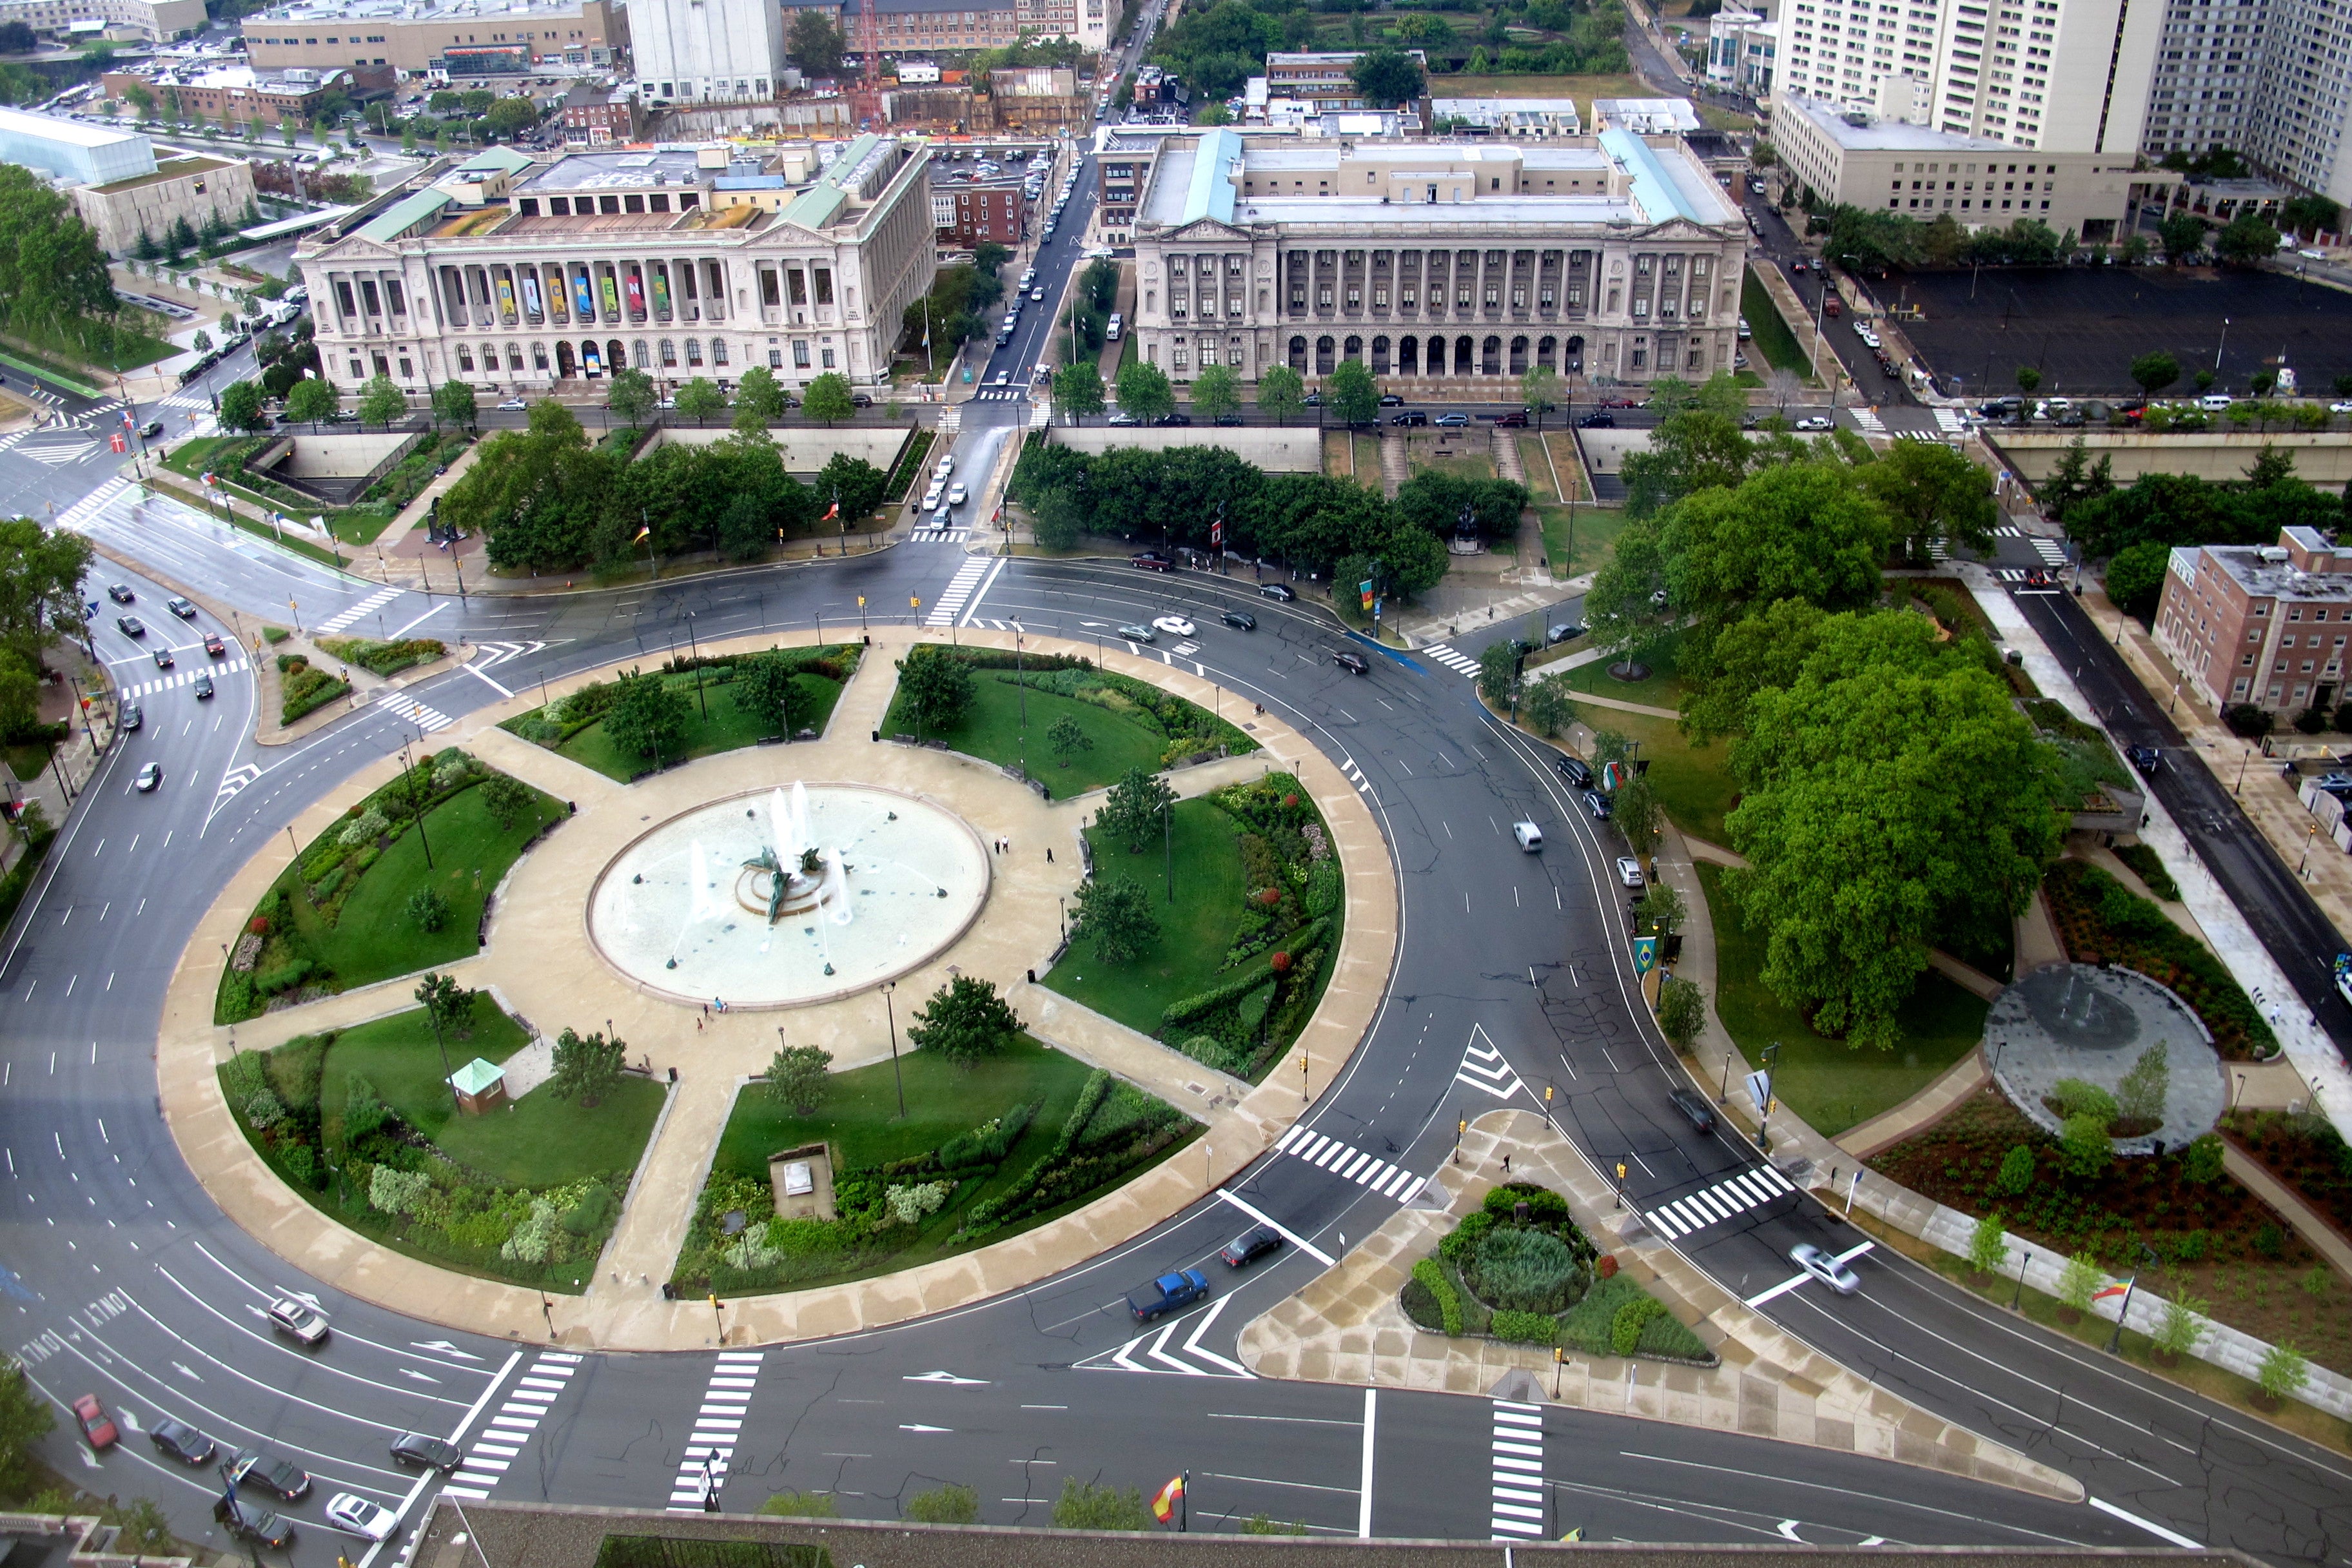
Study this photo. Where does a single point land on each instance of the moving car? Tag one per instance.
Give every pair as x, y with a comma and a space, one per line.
1452, 419
1137, 634
1391, 400
203, 687
1176, 625
1573, 770
1353, 663
96, 1425
1038, 294
150, 777
1814, 422
131, 718
1597, 804
1598, 419
181, 607
271, 1472
179, 1441
1516, 419
433, 1453
514, 405
297, 1320
1167, 1294
130, 626
941, 517
2146, 759
1240, 620
1283, 592
1250, 1246
162, 659
1529, 836
151, 429
121, 593
1151, 560
1629, 872
369, 1521
1120, 416
1826, 1267
1172, 420
258, 1525
1410, 416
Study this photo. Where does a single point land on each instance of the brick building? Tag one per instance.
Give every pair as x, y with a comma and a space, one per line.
2265, 624
232, 95
598, 115
996, 211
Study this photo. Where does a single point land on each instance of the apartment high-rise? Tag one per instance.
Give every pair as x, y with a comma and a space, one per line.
688, 49
2302, 118
1840, 51
2066, 76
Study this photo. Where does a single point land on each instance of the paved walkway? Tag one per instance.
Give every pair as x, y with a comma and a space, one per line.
2309, 1224
539, 911
413, 515
1346, 1326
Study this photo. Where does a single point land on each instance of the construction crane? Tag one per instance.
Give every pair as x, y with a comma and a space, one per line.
865, 100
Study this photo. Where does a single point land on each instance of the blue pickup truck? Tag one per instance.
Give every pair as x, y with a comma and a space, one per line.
1167, 1294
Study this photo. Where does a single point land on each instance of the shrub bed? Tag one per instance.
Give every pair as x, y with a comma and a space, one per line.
304, 688
2102, 921
2304, 1151
383, 658
407, 478
909, 464
2148, 866
1184, 729
567, 717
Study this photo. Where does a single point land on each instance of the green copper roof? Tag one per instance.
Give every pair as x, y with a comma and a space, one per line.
1211, 194
476, 1077
404, 215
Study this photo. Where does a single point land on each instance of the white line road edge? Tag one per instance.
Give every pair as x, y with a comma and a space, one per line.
1281, 1230
1790, 1284
1364, 1485
431, 1475
478, 675
2104, 1506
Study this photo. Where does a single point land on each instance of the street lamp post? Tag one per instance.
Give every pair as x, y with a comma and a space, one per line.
890, 1009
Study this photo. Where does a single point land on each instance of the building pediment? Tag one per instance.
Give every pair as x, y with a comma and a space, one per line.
1680, 230
1208, 231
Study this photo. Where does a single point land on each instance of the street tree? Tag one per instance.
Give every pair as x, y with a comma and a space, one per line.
828, 397
647, 718
1988, 1245
313, 400
1132, 807
1078, 388
801, 1077
700, 399
2154, 372
631, 395
382, 403
240, 407
1281, 394
587, 1066
1934, 495
202, 342
25, 1419
1355, 398
40, 586
2182, 234
2246, 241
1539, 390
453, 404
816, 43
1115, 915
1065, 739
770, 690
759, 392
965, 1022
511, 117
1660, 911
1387, 77
935, 686
2028, 379
1216, 392
1498, 672
1144, 392
1057, 519
1682, 1011
1548, 707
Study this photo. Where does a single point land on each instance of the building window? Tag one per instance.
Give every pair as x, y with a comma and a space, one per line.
466, 357
800, 354
824, 358
719, 351
668, 354
693, 351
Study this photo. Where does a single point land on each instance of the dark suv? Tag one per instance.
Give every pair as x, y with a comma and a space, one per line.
260, 1467
1574, 769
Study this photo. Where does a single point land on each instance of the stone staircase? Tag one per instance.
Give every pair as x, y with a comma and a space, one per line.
1395, 470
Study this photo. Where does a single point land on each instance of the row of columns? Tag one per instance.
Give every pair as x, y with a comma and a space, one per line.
499, 294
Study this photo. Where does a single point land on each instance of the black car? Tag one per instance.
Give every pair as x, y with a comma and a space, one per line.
1283, 592
181, 607
1240, 620
1227, 419
433, 1453
131, 718
1694, 1108
1250, 1246
1598, 419
1353, 663
258, 1525
1410, 416
1391, 400
1151, 560
1573, 770
162, 659
260, 1467
130, 626
1172, 419
1597, 804
180, 1440
203, 687
2146, 759
121, 593
860, 400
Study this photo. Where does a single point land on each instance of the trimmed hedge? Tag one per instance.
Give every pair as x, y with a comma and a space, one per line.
304, 688
384, 658
1431, 1279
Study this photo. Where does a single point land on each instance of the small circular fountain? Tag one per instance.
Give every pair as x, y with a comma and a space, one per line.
779, 898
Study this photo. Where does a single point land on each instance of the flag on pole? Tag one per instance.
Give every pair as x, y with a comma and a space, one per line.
831, 513
640, 538
2117, 1289
1164, 1506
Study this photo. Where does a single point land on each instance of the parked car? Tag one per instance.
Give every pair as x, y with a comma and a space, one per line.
1227, 419
1391, 400
1597, 804
1516, 419
956, 493
1250, 1246
151, 778
130, 626
258, 1525
1176, 625
1694, 1107
1137, 634
1167, 1294
1151, 560
179, 1441
1598, 419
1282, 592
1353, 663
429, 1452
1174, 419
1629, 872
271, 1472
297, 1320
1826, 1267
98, 1428
1452, 419
1573, 770
1410, 416
1120, 416
1814, 422
513, 405
1240, 620
353, 1514
1562, 632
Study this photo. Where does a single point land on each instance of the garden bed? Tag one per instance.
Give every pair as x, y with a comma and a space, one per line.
303, 688
2102, 922
981, 1153
361, 1124
721, 716
407, 478
385, 659
1530, 1275
363, 904
2217, 1241
2304, 1151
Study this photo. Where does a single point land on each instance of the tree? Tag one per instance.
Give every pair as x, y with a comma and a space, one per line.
2311, 216
2083, 1138
2017, 1170
1116, 917
2154, 372
1547, 706
312, 399
202, 342
935, 686
2247, 239
965, 1021
1354, 399
1934, 495
855, 483
2181, 1323
1215, 114
631, 395
2182, 234
511, 117
453, 404
1216, 392
1988, 1245
40, 586
761, 399
506, 798
382, 402
586, 1068
1539, 389
1064, 738
2139, 1097
815, 44
240, 407
1131, 811
700, 398
1083, 1505
1498, 672
769, 689
828, 397
1281, 394
948, 1504
2135, 579
1660, 911
2284, 1370
647, 718
1056, 521
427, 910
1078, 388
801, 1077
1144, 392
2079, 1281
1637, 813
1682, 1011
2028, 379
1387, 77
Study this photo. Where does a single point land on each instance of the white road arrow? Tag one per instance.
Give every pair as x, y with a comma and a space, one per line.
903, 1427
947, 1377
446, 1348
412, 1372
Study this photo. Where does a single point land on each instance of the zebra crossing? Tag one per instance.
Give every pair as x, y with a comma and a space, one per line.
92, 503
1452, 658
1868, 421
367, 606
148, 687
426, 720
1483, 1067
1931, 437
1516, 1512
2052, 554
938, 535
1951, 422
503, 1436
1000, 395
1168, 1359
1735, 1195
716, 1427
2009, 531
55, 454
959, 590
1350, 1164
185, 400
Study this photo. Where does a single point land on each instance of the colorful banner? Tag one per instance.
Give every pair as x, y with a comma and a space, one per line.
637, 293
583, 295
612, 298
531, 304
661, 290
1646, 954
506, 298
588, 359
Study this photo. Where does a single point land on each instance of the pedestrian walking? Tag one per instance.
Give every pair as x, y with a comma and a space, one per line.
1049, 855
1507, 1164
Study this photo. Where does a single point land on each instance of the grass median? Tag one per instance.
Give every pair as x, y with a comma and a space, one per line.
1196, 924
715, 722
992, 729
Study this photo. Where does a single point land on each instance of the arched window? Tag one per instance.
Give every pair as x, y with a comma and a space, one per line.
514, 357
719, 351
640, 355
694, 352
1519, 356
1408, 356
539, 357
1323, 352
1355, 348
1380, 356
466, 358
1548, 352
1490, 358
668, 354
1299, 355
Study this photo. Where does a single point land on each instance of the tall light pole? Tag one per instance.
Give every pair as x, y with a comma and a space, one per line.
890, 1009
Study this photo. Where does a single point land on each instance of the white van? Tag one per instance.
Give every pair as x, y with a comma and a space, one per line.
1118, 324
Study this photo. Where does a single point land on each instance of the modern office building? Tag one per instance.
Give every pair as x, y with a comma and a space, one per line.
2060, 76
2260, 624
1615, 254
686, 51
461, 39
72, 151
1742, 50
2267, 79
524, 277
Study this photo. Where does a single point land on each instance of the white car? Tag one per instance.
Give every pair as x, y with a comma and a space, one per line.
1629, 872
956, 493
1814, 422
943, 468
514, 405
1175, 625
2339, 409
1826, 1268
357, 1516
1003, 378
932, 497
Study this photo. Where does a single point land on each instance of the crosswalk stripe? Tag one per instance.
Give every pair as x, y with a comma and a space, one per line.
726, 1401
1515, 1485
1282, 1144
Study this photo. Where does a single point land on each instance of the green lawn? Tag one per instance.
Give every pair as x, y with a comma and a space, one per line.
1692, 782
1773, 339
991, 729
1593, 535
1196, 929
1829, 1083
1661, 688
538, 1141
861, 1118
28, 761
374, 939
727, 727
1420, 458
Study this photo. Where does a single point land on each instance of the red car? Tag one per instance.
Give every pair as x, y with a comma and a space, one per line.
96, 1425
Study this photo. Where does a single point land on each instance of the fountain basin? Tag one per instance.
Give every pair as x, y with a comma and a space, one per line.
683, 912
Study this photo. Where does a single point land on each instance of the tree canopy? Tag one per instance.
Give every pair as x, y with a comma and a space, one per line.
965, 1021
1387, 77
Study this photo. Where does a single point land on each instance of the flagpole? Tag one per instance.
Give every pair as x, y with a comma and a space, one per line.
1184, 1505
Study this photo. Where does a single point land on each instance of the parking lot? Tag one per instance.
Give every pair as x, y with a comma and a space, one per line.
2082, 327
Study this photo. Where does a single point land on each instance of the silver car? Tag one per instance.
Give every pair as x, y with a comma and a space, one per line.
1825, 1267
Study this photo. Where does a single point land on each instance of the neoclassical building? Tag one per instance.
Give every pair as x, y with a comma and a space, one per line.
1615, 256
527, 277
